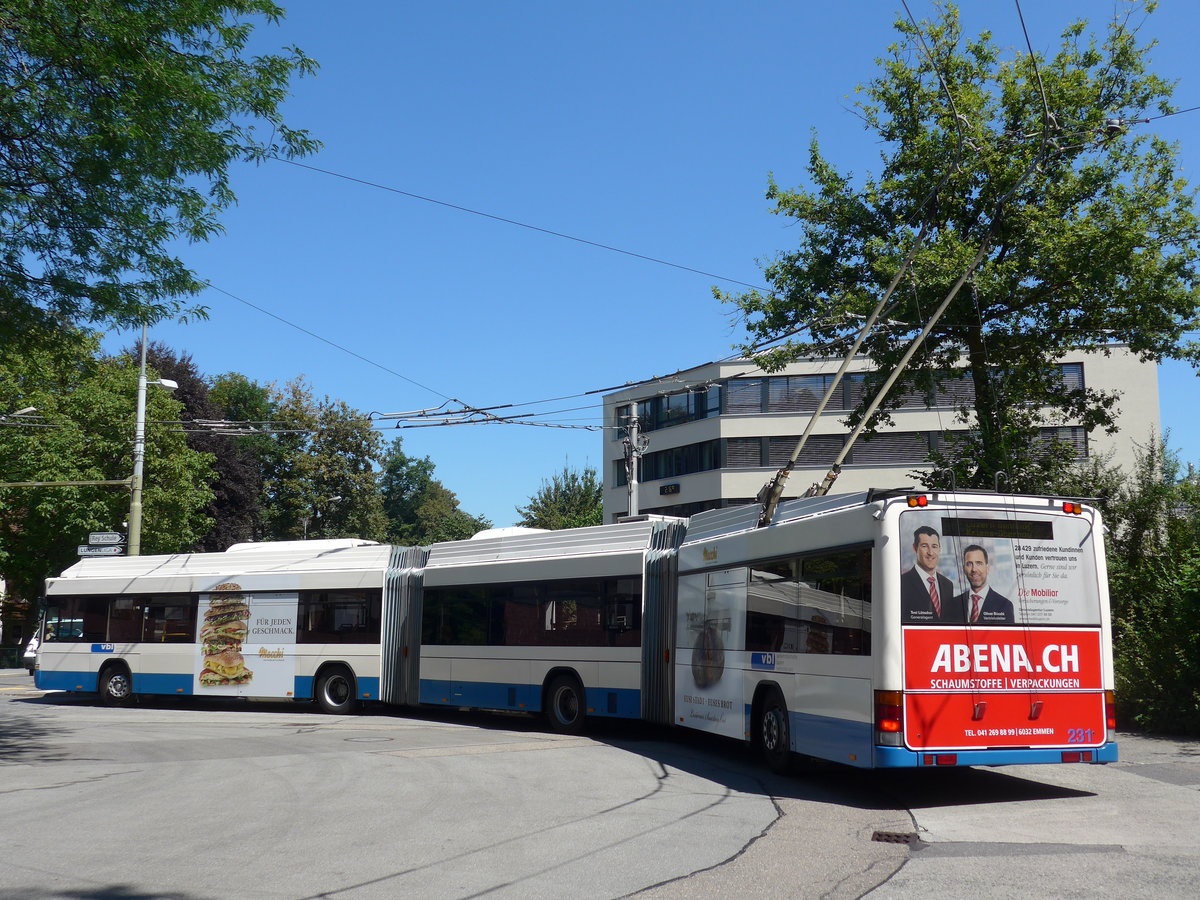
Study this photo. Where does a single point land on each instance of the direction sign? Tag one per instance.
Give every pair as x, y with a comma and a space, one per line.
111, 550
99, 538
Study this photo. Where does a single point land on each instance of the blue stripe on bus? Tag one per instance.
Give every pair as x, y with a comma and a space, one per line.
368, 687
840, 740
65, 681
620, 703
900, 758
616, 702
155, 683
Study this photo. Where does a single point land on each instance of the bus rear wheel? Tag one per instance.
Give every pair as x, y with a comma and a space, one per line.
116, 685
335, 692
774, 734
565, 705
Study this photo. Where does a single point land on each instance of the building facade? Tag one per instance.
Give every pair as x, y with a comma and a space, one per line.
716, 433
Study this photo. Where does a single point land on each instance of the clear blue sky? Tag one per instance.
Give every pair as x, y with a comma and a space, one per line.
649, 126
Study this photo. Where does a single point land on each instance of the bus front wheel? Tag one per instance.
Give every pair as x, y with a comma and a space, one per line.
565, 705
774, 734
116, 685
335, 692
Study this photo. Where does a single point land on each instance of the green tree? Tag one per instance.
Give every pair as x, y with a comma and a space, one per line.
235, 509
321, 480
83, 431
121, 121
419, 508
1086, 232
570, 499
1154, 580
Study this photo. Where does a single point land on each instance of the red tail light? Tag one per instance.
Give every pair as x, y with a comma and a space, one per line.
1070, 506
940, 759
918, 500
1110, 710
889, 712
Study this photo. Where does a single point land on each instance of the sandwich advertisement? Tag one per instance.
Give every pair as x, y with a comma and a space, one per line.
246, 642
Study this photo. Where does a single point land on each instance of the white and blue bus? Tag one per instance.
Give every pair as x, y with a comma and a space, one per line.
882, 629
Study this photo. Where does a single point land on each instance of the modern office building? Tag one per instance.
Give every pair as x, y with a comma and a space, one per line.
716, 433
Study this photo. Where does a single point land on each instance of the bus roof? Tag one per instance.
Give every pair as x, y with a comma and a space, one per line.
180, 572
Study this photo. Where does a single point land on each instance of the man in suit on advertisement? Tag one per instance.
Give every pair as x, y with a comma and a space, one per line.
980, 604
925, 593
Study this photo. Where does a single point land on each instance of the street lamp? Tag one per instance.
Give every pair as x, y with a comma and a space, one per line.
18, 414
139, 452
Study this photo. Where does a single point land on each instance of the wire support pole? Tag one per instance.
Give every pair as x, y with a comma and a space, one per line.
635, 445
134, 543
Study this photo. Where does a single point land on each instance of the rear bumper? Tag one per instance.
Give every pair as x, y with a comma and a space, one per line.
902, 758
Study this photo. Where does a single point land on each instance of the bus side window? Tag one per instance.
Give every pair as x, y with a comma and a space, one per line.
169, 619
125, 620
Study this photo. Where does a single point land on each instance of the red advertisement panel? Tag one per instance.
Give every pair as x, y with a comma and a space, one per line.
1002, 659
1002, 687
976, 721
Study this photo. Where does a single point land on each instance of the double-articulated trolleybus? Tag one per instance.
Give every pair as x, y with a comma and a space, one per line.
884, 629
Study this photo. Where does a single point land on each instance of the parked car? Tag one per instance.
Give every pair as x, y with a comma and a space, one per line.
29, 660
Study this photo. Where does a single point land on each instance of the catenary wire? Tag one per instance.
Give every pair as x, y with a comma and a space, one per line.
507, 221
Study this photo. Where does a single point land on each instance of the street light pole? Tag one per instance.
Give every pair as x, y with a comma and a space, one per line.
134, 546
134, 541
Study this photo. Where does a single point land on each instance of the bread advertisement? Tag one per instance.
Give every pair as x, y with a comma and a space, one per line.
246, 642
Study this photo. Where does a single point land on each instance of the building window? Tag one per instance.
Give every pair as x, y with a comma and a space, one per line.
676, 461
892, 448
819, 450
743, 453
744, 395
1072, 436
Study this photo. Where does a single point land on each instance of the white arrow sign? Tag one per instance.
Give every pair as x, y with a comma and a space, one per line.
86, 550
105, 537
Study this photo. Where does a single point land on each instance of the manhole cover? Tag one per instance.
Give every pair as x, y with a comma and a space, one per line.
898, 837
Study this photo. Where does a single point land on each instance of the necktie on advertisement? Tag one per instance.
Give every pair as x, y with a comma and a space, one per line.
933, 595
974, 607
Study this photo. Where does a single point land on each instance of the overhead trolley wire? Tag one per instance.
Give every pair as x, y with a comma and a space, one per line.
507, 221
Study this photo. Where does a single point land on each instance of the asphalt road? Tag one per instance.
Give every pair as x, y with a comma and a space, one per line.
192, 800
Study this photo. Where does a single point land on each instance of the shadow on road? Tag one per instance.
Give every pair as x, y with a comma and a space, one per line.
720, 760
99, 892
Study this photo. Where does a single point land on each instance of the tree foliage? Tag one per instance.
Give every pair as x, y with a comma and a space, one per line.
1089, 234
321, 479
419, 508
570, 499
120, 123
83, 431
235, 509
1154, 580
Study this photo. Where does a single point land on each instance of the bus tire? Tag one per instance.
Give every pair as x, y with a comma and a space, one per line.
774, 733
564, 705
115, 685
335, 692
